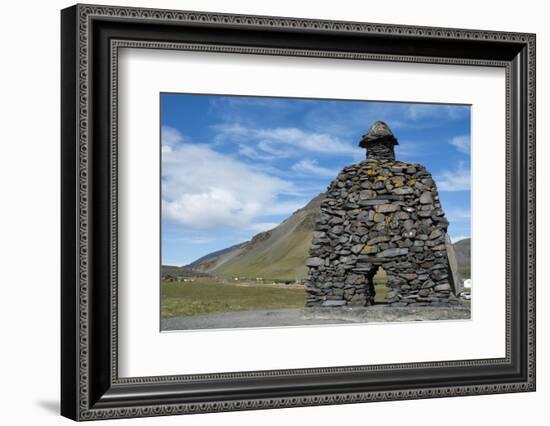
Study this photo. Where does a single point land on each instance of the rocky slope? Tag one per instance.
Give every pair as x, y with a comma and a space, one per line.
462, 251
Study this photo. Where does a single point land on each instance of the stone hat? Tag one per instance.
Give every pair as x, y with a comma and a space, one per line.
378, 132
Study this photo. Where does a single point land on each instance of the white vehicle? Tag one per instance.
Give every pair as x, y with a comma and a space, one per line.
466, 296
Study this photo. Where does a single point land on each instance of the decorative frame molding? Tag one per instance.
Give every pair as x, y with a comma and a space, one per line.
91, 37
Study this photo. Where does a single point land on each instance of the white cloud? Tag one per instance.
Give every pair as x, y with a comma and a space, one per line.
454, 180
170, 138
253, 153
461, 143
284, 142
455, 112
423, 111
204, 189
265, 151
275, 149
420, 111
223, 102
311, 167
315, 142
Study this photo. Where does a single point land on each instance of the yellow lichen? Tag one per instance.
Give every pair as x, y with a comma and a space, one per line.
411, 182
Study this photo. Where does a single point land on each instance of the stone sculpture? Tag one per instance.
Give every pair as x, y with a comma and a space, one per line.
381, 213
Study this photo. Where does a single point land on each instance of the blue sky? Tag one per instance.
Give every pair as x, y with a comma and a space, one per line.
234, 166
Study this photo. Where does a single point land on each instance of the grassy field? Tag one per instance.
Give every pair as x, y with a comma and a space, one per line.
207, 295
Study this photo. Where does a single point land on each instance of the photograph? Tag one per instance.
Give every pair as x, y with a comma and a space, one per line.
294, 212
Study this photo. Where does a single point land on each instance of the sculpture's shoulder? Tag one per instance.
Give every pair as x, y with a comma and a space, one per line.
379, 170
396, 166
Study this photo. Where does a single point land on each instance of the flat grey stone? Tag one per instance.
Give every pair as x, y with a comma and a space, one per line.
435, 233
426, 198
401, 216
366, 203
386, 208
367, 195
357, 248
403, 190
424, 213
393, 252
315, 261
334, 303
376, 240
442, 287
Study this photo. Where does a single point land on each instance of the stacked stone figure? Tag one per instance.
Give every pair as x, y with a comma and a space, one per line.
381, 213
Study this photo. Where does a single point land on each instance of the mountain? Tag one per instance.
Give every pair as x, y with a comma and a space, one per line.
277, 254
280, 253
462, 252
215, 254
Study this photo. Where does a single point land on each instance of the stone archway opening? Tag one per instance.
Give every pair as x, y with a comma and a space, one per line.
380, 286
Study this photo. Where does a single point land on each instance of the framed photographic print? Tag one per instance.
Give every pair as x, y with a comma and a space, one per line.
263, 212
262, 238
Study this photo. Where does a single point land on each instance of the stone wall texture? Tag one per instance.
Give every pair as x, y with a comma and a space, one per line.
381, 213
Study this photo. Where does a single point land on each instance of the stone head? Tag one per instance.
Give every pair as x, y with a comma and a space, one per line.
379, 142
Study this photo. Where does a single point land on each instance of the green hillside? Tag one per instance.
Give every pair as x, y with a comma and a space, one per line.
278, 254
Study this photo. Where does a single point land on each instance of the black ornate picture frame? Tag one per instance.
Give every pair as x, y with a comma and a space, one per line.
90, 38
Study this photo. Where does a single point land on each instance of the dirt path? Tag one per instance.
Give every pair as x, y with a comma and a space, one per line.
297, 317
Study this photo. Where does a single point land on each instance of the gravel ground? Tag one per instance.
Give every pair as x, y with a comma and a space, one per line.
313, 316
